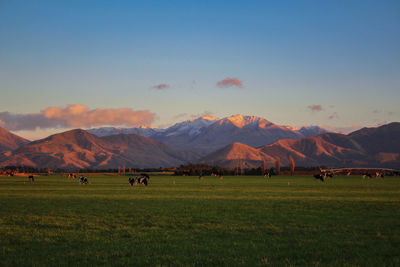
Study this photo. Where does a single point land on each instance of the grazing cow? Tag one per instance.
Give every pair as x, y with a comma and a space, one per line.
72, 176
143, 179
131, 181
367, 175
319, 177
31, 179
83, 180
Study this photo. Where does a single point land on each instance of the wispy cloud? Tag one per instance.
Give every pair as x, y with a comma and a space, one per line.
315, 108
76, 115
334, 115
15, 122
161, 86
229, 82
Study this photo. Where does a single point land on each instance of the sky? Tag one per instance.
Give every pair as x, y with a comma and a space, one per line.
86, 64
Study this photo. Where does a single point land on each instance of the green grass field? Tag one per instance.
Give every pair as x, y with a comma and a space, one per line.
175, 221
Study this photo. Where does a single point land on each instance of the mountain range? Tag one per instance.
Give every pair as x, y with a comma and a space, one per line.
368, 147
80, 149
207, 134
247, 141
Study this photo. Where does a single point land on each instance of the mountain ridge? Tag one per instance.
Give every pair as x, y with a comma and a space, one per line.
367, 147
374, 146
206, 134
10, 141
80, 149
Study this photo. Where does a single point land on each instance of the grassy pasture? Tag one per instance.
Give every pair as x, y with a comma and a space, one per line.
176, 221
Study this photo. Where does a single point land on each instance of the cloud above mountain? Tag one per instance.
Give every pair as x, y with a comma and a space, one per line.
229, 82
334, 115
161, 86
315, 108
75, 115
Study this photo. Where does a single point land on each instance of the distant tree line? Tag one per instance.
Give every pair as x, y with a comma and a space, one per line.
203, 169
187, 170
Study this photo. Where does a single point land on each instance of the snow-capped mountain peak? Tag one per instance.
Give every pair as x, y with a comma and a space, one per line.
142, 130
208, 133
312, 130
206, 118
191, 127
241, 121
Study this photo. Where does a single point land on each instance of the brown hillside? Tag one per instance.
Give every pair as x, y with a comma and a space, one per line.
80, 149
10, 141
376, 147
238, 154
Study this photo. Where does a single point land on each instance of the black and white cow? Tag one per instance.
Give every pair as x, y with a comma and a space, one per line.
83, 180
319, 177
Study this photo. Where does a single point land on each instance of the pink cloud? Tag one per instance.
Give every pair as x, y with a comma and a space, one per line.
315, 108
228, 82
76, 115
161, 86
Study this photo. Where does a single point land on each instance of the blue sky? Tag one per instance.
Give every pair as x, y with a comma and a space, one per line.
290, 56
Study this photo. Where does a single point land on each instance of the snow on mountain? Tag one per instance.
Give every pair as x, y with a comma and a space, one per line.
249, 130
142, 130
190, 127
225, 143
311, 130
241, 121
207, 133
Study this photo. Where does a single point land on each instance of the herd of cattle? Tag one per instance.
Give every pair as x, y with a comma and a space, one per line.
144, 178
324, 175
81, 179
